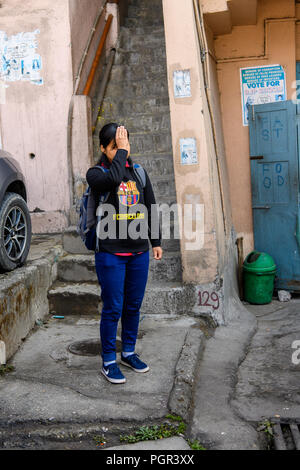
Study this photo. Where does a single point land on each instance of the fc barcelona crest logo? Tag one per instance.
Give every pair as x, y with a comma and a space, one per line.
128, 193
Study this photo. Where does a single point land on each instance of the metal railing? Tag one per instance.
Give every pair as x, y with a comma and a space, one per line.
97, 57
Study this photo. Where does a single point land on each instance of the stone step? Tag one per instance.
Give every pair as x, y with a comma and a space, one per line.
144, 143
73, 244
81, 268
154, 55
145, 3
139, 22
169, 269
155, 142
145, 11
168, 298
133, 107
156, 165
163, 186
125, 73
170, 245
140, 146
159, 168
142, 122
143, 29
74, 298
129, 41
137, 89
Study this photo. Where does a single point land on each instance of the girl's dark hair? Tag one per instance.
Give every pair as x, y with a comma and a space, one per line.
108, 133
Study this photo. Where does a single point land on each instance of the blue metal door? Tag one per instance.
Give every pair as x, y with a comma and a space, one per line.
273, 131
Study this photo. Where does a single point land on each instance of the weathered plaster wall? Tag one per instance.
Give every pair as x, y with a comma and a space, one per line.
298, 32
34, 118
197, 183
23, 297
222, 182
270, 41
82, 17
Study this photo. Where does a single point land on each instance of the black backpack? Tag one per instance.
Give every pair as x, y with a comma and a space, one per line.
88, 206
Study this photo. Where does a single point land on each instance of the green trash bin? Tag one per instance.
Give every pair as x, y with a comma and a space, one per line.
259, 272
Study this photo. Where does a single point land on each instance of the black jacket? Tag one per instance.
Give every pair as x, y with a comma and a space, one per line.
129, 229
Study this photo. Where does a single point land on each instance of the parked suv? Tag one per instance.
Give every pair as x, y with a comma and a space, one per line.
15, 223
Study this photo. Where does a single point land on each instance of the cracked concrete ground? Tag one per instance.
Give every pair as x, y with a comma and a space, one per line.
244, 375
247, 376
268, 383
51, 386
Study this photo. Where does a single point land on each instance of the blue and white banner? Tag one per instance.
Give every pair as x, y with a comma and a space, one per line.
261, 85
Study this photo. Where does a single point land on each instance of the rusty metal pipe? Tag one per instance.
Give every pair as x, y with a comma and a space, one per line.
87, 48
96, 61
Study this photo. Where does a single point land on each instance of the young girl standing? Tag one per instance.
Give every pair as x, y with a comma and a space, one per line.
122, 262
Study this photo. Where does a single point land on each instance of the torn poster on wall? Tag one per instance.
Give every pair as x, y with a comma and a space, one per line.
182, 83
188, 151
19, 60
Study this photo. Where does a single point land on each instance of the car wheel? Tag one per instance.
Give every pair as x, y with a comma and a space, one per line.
15, 232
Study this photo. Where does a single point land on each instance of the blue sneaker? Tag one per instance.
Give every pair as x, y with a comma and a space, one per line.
134, 363
113, 374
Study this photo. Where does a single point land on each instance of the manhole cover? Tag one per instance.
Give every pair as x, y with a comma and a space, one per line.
89, 347
286, 435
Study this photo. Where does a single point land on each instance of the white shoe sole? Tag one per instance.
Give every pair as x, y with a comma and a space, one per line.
113, 381
141, 371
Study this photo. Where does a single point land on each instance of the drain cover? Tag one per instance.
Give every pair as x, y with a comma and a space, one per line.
89, 347
286, 435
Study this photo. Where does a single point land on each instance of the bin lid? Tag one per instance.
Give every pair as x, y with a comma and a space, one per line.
259, 262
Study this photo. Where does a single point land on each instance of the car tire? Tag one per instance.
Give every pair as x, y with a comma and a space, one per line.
15, 232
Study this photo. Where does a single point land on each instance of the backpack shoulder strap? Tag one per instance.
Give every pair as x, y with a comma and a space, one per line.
103, 196
140, 174
105, 170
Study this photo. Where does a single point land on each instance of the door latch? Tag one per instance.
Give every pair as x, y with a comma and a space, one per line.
261, 207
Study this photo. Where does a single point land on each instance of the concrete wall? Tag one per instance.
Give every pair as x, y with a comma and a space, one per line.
210, 270
270, 41
298, 32
82, 17
34, 117
200, 183
219, 154
23, 297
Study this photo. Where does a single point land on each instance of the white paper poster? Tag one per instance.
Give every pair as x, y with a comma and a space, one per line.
261, 85
19, 60
188, 151
182, 83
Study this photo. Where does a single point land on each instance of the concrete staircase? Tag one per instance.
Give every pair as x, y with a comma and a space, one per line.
136, 96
